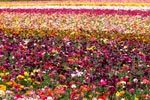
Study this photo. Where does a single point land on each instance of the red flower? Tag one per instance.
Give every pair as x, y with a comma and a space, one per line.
18, 96
101, 98
105, 94
47, 65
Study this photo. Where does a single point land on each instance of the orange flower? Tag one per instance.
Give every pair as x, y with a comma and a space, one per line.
36, 82
62, 76
3, 87
28, 93
85, 88
58, 91
71, 60
119, 94
2, 68
48, 66
145, 96
49, 92
84, 99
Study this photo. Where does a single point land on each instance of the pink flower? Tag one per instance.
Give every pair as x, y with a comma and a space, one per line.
132, 90
18, 96
103, 82
145, 81
94, 98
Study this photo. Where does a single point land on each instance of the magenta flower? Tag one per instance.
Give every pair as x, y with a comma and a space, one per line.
103, 82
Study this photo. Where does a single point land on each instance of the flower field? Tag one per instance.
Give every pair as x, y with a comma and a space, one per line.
77, 53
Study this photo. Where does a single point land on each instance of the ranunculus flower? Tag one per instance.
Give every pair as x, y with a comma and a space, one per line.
103, 82
2, 94
3, 87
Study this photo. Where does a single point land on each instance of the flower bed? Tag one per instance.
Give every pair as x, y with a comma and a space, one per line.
62, 68
74, 54
75, 22
77, 3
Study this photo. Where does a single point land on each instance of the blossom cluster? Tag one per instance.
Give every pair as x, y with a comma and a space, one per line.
75, 22
52, 68
79, 3
74, 54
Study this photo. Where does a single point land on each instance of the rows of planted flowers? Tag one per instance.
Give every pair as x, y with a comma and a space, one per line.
74, 54
78, 3
75, 22
52, 68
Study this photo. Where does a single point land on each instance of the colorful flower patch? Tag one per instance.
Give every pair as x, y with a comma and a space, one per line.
74, 54
78, 3
73, 23
51, 67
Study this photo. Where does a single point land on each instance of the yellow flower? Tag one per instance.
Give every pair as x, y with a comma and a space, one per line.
62, 86
84, 99
31, 87
90, 96
26, 74
2, 93
19, 77
119, 94
91, 48
9, 83
125, 47
3, 87
29, 79
7, 73
105, 41
32, 73
136, 98
2, 74
54, 51
36, 70
22, 86
36, 82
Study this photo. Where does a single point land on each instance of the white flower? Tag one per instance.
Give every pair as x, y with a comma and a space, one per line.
13, 57
68, 43
73, 75
43, 45
43, 89
44, 72
123, 99
123, 82
79, 74
2, 93
21, 99
73, 86
49, 98
26, 41
135, 80
34, 44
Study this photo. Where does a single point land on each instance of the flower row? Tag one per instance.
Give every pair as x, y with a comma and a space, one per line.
133, 9
72, 3
74, 23
53, 68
